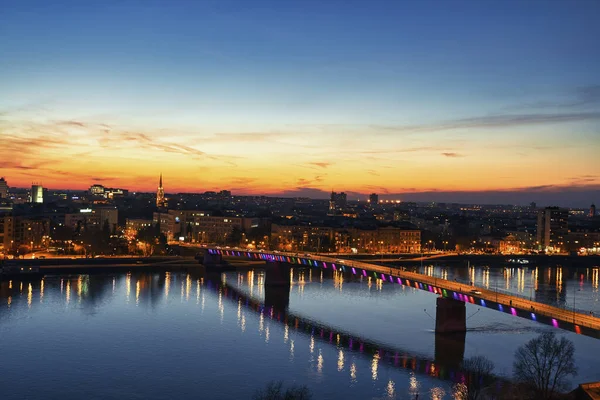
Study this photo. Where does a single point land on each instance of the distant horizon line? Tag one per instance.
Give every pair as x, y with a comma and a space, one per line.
356, 199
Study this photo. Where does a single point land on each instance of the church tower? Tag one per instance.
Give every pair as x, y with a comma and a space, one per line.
160, 194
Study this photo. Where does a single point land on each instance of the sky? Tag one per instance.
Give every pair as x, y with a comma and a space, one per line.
469, 101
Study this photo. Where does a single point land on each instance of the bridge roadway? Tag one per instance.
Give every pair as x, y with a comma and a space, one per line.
574, 321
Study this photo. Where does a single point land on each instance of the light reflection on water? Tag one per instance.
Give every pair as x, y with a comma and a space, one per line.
558, 286
218, 335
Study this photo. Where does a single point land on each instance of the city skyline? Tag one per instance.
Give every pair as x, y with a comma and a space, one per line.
457, 103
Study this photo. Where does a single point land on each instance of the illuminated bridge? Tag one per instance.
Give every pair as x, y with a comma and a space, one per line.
450, 313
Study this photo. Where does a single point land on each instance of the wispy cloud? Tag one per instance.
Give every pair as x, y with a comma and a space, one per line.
504, 121
321, 164
577, 97
452, 155
244, 137
241, 180
148, 142
305, 181
404, 150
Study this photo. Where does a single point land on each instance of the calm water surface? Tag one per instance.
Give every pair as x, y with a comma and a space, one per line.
562, 287
179, 335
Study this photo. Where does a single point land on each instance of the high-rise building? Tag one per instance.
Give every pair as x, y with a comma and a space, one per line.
552, 229
341, 200
592, 211
37, 194
373, 199
160, 194
3, 188
332, 203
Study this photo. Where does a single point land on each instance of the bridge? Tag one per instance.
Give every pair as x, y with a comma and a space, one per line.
448, 353
450, 303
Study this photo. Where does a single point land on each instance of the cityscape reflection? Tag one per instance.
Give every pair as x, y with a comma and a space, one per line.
276, 326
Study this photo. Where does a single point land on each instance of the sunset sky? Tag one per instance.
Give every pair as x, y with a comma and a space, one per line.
302, 97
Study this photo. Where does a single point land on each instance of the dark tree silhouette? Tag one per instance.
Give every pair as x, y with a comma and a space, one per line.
479, 371
235, 237
544, 364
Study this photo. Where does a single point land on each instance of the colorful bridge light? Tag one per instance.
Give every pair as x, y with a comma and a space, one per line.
513, 311
533, 317
554, 323
383, 277
577, 330
482, 301
399, 281
353, 271
333, 266
500, 307
364, 272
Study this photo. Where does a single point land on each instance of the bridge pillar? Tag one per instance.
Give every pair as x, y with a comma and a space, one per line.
211, 260
277, 285
450, 316
450, 348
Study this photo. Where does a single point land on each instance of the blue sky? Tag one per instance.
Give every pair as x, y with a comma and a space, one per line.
429, 78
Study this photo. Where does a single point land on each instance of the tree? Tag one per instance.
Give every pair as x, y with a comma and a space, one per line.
274, 391
235, 237
62, 233
479, 371
544, 364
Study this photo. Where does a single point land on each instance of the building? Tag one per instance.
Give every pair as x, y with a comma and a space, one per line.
387, 240
37, 194
91, 219
216, 229
184, 224
373, 199
345, 240
109, 193
96, 190
160, 194
592, 210
18, 231
332, 203
552, 229
3, 189
510, 244
32, 232
337, 201
166, 224
6, 232
341, 200
134, 225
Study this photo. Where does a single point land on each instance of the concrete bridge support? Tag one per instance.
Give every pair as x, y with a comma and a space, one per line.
450, 316
211, 260
277, 285
450, 348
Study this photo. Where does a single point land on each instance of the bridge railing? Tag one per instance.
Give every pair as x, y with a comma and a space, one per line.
504, 297
519, 295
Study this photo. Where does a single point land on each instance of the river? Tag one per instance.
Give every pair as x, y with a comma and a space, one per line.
181, 335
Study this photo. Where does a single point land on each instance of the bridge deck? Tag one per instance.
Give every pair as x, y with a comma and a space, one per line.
572, 320
506, 300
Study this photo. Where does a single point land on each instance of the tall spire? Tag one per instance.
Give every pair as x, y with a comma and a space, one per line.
160, 194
